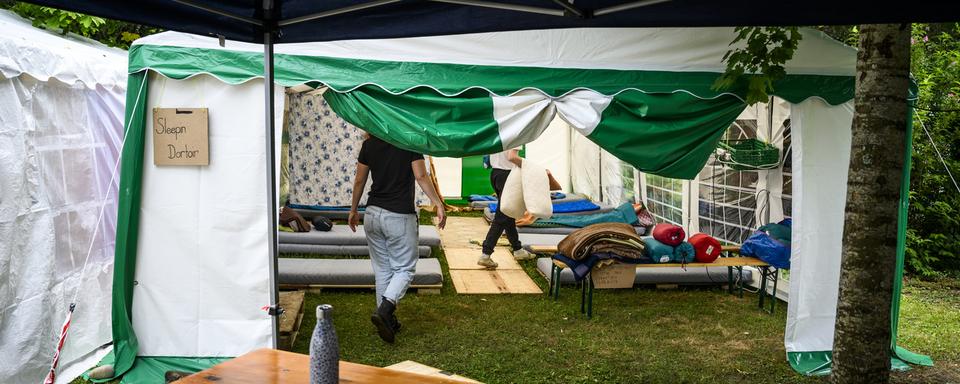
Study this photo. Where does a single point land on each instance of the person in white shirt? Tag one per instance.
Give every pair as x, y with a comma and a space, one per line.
502, 163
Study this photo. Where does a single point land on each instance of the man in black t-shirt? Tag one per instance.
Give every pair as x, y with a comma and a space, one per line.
391, 223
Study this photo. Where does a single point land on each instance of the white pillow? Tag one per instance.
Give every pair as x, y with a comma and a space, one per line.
536, 191
511, 200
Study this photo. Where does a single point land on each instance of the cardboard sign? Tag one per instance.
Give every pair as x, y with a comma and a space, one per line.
180, 136
614, 276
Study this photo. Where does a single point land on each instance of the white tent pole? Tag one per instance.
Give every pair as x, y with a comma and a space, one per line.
271, 173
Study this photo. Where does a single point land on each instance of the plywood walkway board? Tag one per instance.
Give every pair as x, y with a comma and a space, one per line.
493, 282
462, 255
466, 258
415, 367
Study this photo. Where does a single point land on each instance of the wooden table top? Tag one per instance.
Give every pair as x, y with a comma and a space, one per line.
268, 366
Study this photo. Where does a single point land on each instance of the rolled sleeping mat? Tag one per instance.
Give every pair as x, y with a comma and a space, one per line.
684, 253
669, 234
707, 247
658, 252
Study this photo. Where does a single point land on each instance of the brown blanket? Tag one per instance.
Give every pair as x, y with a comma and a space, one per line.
616, 238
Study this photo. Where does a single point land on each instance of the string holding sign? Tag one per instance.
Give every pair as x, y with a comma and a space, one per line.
181, 136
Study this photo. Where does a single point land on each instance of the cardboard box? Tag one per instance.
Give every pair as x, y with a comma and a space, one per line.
180, 136
614, 276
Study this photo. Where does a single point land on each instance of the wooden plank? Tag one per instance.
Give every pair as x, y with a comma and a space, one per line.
460, 230
547, 249
466, 258
270, 366
292, 304
415, 367
493, 282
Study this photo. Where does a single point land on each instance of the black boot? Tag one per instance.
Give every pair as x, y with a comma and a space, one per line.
396, 324
382, 318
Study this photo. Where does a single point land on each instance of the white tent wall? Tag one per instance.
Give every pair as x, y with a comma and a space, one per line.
449, 171
598, 174
61, 128
821, 159
202, 252
552, 151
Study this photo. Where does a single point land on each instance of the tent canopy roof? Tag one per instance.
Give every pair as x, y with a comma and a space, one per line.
310, 20
44, 55
555, 62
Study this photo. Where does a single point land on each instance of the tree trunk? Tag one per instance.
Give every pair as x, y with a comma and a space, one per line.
861, 344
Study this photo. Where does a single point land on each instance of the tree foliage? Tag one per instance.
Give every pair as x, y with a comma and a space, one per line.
110, 32
766, 51
933, 237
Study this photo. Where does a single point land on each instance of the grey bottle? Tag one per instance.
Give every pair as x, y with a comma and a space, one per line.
324, 349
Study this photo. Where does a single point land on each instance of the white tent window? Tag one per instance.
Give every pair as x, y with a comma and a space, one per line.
665, 199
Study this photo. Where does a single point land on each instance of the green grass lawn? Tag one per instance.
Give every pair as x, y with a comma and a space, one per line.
637, 335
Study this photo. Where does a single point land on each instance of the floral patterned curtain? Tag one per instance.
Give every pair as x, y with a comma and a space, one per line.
323, 154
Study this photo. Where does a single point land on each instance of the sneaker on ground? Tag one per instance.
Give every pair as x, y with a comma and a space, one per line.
486, 261
522, 254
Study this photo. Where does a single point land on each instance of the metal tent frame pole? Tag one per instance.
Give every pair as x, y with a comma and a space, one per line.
269, 139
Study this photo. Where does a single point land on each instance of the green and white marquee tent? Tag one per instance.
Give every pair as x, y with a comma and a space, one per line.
192, 255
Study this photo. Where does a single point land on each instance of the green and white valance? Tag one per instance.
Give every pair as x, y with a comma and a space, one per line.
644, 95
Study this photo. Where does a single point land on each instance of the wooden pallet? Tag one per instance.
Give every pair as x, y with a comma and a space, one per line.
292, 304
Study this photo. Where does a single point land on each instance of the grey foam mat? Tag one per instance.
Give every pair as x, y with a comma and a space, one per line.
342, 235
568, 197
659, 275
348, 272
541, 239
355, 250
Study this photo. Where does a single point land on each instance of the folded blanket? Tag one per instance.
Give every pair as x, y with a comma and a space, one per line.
669, 234
657, 251
565, 207
617, 238
684, 253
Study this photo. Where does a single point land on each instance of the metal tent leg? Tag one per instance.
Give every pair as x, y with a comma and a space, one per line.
269, 131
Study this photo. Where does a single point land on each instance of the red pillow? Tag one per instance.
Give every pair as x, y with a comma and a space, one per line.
708, 248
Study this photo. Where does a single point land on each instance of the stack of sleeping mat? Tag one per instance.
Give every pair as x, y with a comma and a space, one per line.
565, 224
331, 212
484, 201
340, 240
600, 244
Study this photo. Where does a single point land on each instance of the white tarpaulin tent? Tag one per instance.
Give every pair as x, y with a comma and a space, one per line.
61, 125
642, 95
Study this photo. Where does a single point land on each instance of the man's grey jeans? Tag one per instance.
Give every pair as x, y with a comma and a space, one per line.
392, 238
